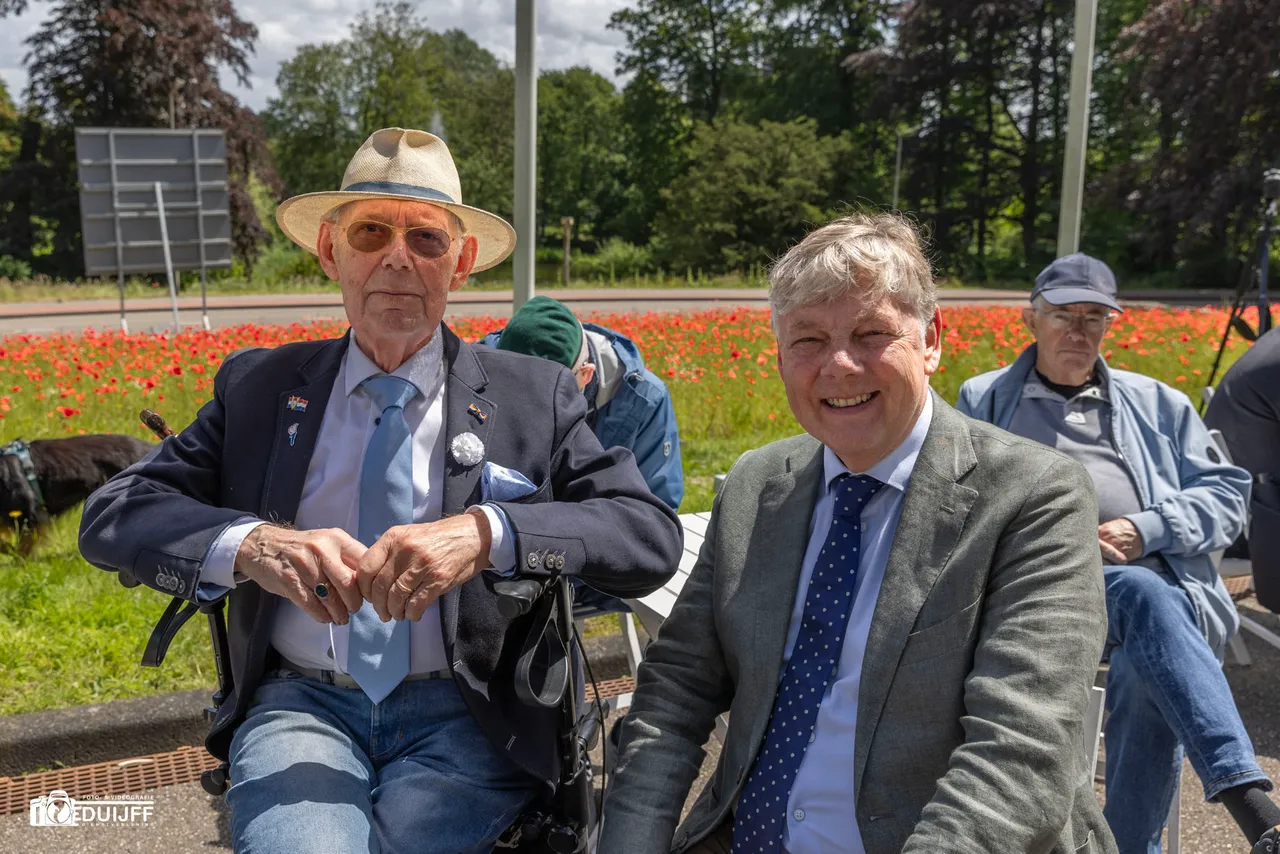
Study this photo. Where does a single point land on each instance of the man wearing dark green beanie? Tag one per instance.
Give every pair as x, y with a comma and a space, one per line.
627, 405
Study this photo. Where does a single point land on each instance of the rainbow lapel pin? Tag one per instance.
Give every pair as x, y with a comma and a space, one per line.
296, 404
478, 413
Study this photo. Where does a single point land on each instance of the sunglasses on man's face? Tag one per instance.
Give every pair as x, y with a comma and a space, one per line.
425, 241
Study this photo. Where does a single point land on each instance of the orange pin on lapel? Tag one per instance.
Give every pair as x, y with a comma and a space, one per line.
479, 413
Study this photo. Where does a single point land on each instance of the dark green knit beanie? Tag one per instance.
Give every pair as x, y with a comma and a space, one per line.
545, 328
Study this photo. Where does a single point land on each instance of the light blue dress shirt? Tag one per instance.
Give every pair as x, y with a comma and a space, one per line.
820, 815
329, 500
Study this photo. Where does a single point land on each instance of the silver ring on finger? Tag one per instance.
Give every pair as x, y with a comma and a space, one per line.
322, 590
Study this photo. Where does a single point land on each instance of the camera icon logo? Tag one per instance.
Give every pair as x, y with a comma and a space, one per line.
56, 809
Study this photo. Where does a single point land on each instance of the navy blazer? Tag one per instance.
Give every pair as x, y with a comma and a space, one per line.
591, 516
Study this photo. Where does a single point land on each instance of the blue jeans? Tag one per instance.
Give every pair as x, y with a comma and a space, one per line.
1165, 692
319, 768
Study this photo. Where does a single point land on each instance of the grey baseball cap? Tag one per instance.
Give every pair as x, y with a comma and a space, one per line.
1077, 278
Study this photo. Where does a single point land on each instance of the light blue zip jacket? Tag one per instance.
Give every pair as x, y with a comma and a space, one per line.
640, 418
1193, 503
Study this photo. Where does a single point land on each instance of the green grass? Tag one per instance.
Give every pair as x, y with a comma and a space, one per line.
70, 634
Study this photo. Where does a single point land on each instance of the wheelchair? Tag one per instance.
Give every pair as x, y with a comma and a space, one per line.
567, 821
564, 823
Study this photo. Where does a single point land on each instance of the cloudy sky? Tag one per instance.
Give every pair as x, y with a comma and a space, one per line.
570, 32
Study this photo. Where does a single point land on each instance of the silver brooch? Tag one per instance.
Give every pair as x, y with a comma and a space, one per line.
467, 449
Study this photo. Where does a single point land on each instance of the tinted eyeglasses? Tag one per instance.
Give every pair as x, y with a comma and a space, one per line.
425, 241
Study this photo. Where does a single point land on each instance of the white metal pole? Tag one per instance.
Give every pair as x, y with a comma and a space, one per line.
1077, 128
526, 155
168, 259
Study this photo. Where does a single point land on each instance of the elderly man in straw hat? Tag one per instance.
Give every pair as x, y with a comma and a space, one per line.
355, 498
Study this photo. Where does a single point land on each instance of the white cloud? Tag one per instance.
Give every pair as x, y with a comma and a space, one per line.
570, 32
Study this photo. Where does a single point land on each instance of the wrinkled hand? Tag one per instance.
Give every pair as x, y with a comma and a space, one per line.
1120, 541
411, 566
291, 563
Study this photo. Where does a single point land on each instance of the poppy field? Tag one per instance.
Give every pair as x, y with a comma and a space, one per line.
69, 634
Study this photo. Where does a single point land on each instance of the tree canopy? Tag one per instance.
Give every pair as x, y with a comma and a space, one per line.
739, 123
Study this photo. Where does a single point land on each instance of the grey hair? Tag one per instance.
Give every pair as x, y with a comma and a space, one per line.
334, 215
877, 255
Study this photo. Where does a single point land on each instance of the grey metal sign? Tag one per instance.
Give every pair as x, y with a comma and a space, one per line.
118, 170
153, 200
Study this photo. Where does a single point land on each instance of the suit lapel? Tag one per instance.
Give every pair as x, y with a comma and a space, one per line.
291, 457
772, 571
300, 412
466, 411
934, 511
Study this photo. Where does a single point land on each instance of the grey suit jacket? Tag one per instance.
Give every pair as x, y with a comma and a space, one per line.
982, 650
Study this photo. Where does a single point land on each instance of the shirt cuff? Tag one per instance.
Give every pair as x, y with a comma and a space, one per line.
217, 573
1154, 530
502, 545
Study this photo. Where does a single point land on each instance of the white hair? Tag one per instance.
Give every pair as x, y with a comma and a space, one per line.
875, 255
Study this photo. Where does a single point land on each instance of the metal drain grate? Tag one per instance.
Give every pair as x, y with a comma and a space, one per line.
1239, 586
612, 688
106, 779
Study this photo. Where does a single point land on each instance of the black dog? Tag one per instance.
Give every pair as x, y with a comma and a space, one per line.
65, 471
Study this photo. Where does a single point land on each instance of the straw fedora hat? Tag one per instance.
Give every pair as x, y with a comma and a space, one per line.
395, 163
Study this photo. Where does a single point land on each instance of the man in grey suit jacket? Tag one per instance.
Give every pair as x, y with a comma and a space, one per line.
902, 611
358, 538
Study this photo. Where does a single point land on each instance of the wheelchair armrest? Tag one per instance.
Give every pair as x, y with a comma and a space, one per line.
517, 597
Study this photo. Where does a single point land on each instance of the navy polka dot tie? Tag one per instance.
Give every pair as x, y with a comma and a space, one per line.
761, 815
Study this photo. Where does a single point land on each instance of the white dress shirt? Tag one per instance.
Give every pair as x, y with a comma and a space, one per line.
330, 500
820, 814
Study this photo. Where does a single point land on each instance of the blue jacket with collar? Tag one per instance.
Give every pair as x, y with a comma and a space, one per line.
1193, 503
640, 417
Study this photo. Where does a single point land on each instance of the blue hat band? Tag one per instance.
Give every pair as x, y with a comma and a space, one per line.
393, 188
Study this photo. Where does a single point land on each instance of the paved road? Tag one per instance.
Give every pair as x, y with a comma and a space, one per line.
150, 314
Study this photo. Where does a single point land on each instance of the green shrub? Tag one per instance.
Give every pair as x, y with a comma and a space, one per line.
616, 259
284, 263
14, 268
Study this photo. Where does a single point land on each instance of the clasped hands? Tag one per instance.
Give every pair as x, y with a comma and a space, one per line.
1120, 541
401, 575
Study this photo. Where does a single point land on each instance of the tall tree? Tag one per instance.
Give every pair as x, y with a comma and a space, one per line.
656, 132
700, 48
117, 63
750, 191
983, 82
1209, 74
393, 70
580, 162
10, 128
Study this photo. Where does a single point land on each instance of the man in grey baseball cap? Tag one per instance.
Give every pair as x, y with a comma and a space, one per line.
1166, 501
1074, 279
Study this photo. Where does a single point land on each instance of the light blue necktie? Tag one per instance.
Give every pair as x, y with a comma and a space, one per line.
378, 652
761, 816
